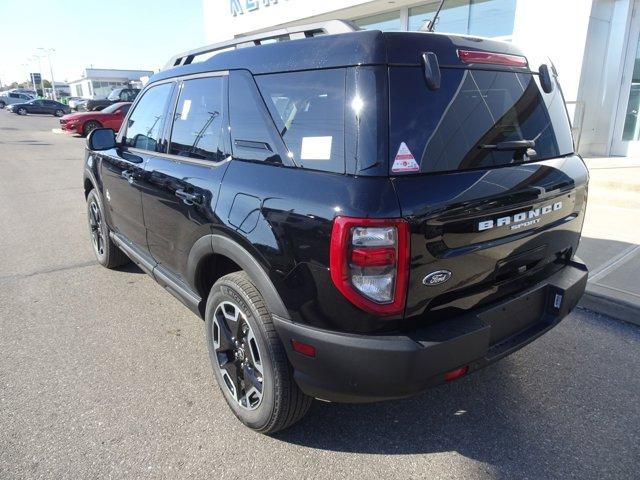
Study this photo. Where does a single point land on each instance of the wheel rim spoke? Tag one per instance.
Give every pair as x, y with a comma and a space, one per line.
253, 353
222, 336
231, 378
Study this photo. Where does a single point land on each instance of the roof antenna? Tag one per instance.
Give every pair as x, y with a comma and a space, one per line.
430, 25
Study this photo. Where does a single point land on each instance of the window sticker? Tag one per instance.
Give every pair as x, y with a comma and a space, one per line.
405, 161
186, 106
316, 148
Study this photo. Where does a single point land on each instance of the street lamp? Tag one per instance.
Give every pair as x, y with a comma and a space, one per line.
47, 52
30, 60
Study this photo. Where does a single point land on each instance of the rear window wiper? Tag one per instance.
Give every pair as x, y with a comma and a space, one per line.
522, 149
510, 145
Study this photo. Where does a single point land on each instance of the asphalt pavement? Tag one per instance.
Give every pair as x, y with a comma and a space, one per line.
105, 375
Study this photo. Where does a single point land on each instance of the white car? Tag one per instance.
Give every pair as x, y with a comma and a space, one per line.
8, 98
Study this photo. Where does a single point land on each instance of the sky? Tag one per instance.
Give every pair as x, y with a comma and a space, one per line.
124, 34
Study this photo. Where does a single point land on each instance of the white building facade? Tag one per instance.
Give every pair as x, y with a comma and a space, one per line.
593, 44
97, 83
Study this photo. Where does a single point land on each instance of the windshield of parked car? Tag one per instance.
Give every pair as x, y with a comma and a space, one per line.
112, 108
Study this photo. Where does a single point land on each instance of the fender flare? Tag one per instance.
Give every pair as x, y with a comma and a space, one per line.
222, 245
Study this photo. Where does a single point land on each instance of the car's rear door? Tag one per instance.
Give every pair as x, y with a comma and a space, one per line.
122, 168
182, 184
488, 216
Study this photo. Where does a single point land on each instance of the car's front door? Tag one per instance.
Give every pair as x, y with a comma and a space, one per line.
122, 168
114, 120
182, 186
37, 106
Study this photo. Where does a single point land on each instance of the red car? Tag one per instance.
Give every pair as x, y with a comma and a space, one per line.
83, 122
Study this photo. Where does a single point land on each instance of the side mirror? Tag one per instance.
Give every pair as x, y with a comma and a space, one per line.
431, 70
101, 139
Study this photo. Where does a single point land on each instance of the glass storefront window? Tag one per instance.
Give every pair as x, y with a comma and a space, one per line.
631, 130
453, 18
387, 22
486, 18
492, 18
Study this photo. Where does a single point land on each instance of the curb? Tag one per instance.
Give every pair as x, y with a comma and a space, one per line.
614, 308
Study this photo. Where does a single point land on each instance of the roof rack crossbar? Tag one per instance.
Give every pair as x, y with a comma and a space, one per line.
329, 27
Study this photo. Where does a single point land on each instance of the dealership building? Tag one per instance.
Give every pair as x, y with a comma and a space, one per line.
593, 44
98, 82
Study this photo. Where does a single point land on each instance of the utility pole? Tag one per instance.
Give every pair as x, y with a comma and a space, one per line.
53, 83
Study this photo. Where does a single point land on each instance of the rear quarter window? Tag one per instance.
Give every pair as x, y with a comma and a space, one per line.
308, 109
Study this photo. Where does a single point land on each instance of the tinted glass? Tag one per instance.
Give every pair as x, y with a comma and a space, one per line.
451, 128
252, 130
308, 109
144, 126
197, 125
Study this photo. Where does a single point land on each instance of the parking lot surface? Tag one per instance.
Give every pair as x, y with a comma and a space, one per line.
105, 375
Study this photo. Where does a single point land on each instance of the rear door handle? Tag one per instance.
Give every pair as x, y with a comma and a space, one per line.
189, 198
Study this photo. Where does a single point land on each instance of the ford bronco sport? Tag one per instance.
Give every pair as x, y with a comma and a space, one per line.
356, 215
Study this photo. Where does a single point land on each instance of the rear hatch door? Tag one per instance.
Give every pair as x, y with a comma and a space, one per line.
485, 172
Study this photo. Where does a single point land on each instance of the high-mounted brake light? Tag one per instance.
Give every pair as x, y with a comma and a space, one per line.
475, 56
369, 262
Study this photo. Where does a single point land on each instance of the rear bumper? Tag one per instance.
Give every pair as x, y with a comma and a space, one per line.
366, 368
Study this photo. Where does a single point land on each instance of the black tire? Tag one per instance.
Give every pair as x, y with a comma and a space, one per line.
282, 403
58, 113
89, 126
106, 251
22, 111
2, 105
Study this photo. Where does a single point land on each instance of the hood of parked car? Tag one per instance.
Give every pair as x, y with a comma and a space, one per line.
83, 116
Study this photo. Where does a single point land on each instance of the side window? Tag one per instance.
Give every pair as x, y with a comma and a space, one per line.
144, 126
14, 95
308, 108
124, 109
197, 125
252, 130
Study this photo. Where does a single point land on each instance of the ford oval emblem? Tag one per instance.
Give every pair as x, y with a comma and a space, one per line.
436, 278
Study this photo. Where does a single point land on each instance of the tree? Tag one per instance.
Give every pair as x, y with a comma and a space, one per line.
46, 83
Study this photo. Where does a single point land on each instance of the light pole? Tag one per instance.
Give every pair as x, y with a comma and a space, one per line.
48, 53
39, 57
28, 67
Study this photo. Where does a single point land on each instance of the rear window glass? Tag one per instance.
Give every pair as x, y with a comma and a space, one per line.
308, 110
453, 128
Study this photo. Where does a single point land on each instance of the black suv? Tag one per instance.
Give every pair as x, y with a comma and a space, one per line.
356, 216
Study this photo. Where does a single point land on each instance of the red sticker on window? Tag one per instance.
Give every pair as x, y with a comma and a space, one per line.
405, 161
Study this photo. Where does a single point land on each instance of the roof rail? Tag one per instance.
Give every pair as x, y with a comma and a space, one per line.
286, 33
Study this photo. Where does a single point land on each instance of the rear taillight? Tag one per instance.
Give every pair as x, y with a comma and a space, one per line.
369, 261
475, 56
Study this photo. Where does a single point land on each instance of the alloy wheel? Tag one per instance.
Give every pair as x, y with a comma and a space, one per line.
238, 356
89, 127
95, 226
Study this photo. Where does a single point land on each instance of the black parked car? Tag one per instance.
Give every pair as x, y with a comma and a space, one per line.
356, 216
117, 95
50, 107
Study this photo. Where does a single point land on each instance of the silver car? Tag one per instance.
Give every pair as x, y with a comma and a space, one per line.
8, 98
